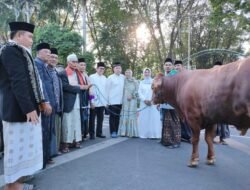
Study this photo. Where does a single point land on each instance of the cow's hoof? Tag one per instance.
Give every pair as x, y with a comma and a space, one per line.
193, 163
211, 161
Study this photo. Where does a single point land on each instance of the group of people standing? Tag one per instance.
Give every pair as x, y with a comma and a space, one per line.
43, 111
149, 121
66, 93
46, 112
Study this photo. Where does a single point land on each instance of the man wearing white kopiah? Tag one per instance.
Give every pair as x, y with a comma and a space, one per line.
72, 81
115, 85
21, 99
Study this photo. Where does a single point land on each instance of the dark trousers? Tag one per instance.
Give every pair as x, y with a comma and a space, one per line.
99, 113
53, 145
46, 134
85, 121
114, 117
1, 137
222, 131
186, 132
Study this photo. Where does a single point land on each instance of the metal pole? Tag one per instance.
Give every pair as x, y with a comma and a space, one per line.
84, 25
189, 41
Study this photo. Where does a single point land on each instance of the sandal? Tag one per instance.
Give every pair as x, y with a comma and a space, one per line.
65, 150
78, 145
50, 161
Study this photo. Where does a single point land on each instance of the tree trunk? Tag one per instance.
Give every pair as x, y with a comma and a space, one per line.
149, 24
76, 15
158, 4
93, 32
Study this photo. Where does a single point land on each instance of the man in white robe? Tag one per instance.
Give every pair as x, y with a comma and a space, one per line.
73, 84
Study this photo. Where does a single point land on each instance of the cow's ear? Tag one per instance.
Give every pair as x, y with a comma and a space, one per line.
159, 76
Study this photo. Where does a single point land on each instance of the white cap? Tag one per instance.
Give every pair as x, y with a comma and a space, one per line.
72, 57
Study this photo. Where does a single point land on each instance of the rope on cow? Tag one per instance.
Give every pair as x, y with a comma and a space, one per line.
99, 99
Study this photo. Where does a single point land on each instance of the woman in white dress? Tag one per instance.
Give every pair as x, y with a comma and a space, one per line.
149, 122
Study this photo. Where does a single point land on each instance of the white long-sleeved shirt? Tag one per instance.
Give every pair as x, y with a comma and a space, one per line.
99, 89
166, 105
145, 91
115, 85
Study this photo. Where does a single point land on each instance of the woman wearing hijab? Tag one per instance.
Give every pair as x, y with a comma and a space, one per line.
149, 122
128, 120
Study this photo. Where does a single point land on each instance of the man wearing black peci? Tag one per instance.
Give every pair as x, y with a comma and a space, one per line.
48, 120
21, 100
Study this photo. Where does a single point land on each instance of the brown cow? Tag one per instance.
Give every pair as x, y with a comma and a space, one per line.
206, 97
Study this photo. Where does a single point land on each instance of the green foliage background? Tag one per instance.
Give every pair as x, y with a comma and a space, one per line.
112, 25
63, 39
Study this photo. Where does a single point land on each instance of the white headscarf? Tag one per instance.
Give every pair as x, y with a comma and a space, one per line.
147, 80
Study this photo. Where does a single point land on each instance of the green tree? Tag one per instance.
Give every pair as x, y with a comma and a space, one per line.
65, 40
62, 12
112, 26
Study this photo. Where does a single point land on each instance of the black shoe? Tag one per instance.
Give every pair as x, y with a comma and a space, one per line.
92, 137
101, 136
176, 145
186, 140
170, 146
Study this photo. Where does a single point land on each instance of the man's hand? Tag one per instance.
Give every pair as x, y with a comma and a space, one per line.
45, 108
158, 107
147, 102
32, 117
85, 87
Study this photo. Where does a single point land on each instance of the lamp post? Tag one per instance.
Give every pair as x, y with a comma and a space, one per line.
189, 41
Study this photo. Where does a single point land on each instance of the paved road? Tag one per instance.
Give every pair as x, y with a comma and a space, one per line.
142, 164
